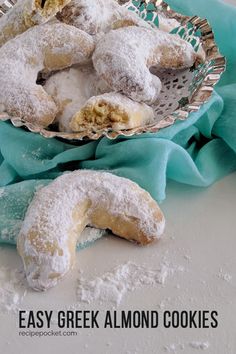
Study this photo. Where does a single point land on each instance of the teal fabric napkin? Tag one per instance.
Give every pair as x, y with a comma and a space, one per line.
198, 151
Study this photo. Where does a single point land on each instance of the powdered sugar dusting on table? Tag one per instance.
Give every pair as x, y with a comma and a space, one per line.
112, 286
179, 347
225, 276
199, 345
12, 289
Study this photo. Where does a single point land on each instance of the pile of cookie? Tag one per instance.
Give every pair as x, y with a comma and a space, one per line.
85, 64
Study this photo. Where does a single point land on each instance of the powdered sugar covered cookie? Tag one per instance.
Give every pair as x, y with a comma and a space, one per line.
59, 213
42, 48
124, 56
27, 13
71, 89
112, 111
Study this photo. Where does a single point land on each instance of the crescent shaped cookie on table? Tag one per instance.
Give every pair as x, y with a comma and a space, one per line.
44, 48
123, 58
60, 211
27, 13
112, 110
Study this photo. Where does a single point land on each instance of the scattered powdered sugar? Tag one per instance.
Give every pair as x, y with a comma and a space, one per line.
12, 289
175, 348
187, 257
199, 345
112, 286
172, 348
225, 276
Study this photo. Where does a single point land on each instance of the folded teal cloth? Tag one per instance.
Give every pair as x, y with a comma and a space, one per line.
198, 151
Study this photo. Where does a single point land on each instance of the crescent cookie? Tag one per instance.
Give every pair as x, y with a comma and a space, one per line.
27, 13
42, 48
70, 89
95, 16
124, 56
60, 211
114, 111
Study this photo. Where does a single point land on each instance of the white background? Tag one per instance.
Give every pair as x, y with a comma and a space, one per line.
200, 236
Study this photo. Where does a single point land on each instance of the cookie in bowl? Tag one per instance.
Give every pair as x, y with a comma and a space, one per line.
112, 111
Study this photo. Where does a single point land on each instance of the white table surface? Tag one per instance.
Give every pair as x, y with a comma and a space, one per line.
200, 236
